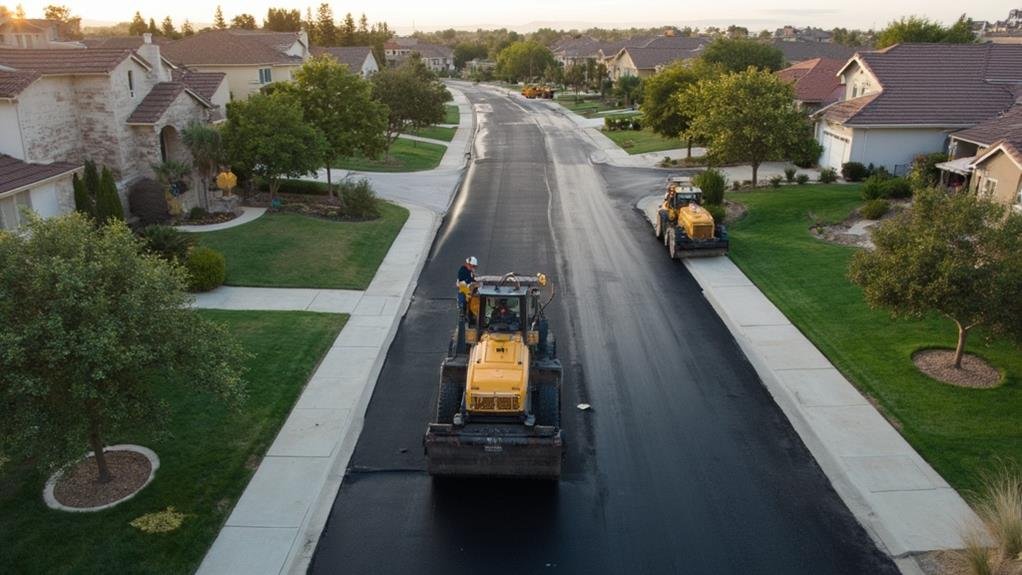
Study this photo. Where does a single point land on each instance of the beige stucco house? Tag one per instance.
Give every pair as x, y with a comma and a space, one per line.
437, 58
123, 108
249, 59
906, 100
987, 158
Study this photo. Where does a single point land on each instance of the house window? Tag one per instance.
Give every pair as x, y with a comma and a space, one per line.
264, 76
988, 187
131, 84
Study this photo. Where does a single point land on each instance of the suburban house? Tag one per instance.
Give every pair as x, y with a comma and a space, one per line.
44, 188
1007, 31
358, 59
249, 59
575, 50
906, 99
125, 109
653, 54
987, 158
793, 34
436, 58
31, 33
815, 82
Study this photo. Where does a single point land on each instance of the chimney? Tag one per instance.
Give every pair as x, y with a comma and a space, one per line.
151, 53
147, 38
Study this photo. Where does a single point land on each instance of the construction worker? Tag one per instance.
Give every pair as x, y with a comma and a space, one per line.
466, 277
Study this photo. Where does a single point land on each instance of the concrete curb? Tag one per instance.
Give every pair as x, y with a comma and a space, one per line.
249, 214
905, 506
51, 483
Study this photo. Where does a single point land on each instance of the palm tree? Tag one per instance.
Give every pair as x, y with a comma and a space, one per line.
203, 141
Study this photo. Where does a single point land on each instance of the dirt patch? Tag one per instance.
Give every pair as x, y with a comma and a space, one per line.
939, 364
735, 211
209, 219
78, 487
854, 230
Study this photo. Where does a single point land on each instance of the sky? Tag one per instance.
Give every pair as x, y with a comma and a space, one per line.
524, 15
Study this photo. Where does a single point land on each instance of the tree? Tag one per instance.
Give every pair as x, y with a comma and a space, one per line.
138, 25
956, 255
70, 25
244, 22
575, 77
918, 29
525, 60
92, 328
84, 203
662, 111
19, 12
206, 146
346, 33
108, 201
326, 30
266, 135
152, 29
187, 29
413, 95
351, 121
167, 28
218, 19
283, 20
629, 89
745, 116
467, 51
90, 177
737, 54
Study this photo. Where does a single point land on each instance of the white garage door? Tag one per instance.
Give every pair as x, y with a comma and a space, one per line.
834, 150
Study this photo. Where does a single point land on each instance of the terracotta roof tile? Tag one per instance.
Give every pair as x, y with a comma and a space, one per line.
60, 62
15, 173
226, 47
12, 83
204, 84
815, 80
156, 102
840, 111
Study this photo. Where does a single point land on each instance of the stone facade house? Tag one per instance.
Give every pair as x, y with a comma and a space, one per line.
122, 108
358, 59
249, 59
906, 100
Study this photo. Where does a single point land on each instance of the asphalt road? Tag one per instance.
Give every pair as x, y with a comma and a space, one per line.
684, 464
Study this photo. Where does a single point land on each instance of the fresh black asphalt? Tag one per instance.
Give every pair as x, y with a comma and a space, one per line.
684, 464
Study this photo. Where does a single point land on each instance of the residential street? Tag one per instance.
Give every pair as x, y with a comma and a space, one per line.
684, 464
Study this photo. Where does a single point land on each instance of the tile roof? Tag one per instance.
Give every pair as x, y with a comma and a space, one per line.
121, 42
226, 47
799, 51
351, 56
61, 62
651, 58
15, 173
156, 102
204, 84
281, 41
841, 111
1005, 126
945, 85
815, 80
12, 83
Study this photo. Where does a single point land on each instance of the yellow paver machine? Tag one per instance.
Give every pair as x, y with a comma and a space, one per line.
685, 226
498, 411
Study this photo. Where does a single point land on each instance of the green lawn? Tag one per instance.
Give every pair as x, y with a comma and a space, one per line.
586, 107
291, 250
435, 133
452, 114
959, 431
642, 141
206, 460
404, 156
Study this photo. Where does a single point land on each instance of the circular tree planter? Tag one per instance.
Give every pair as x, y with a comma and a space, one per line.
975, 373
134, 476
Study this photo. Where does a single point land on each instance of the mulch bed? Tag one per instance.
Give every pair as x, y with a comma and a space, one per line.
78, 487
216, 218
318, 206
939, 364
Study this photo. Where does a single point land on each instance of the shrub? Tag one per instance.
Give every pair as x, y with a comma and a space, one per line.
206, 267
789, 174
924, 172
875, 209
167, 242
718, 212
775, 181
897, 188
197, 213
736, 185
828, 176
854, 171
807, 153
636, 123
148, 202
712, 182
873, 188
108, 202
802, 179
83, 199
360, 200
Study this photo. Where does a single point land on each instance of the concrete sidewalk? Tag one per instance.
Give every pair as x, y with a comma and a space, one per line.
893, 492
283, 299
276, 523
